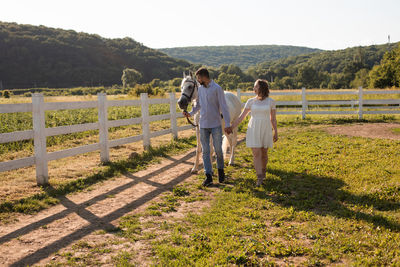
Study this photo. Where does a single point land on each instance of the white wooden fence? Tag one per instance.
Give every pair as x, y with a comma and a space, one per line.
364, 106
40, 132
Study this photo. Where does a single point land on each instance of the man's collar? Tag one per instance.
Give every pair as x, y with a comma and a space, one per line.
209, 84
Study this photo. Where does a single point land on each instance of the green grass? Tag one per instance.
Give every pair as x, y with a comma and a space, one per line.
396, 130
326, 200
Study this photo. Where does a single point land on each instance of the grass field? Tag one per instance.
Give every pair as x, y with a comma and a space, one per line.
327, 200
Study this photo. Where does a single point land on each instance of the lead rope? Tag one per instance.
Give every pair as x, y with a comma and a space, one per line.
189, 121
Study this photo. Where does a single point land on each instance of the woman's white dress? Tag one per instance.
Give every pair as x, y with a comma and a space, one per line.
259, 130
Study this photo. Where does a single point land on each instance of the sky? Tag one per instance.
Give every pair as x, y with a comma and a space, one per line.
324, 24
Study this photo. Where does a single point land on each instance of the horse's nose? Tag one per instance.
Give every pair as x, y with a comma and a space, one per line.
181, 103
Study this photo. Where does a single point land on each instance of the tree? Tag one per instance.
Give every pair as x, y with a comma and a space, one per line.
361, 79
228, 81
130, 77
176, 82
141, 88
387, 74
285, 83
308, 77
6, 94
155, 83
336, 81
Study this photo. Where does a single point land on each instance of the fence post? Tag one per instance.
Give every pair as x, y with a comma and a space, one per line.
239, 95
103, 127
172, 111
145, 120
303, 103
360, 103
39, 139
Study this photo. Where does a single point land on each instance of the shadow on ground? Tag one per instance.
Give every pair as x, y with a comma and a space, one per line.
320, 195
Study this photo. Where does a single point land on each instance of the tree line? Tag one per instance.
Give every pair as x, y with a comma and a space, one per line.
38, 56
347, 68
242, 56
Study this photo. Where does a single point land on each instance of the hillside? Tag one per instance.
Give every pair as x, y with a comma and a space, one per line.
334, 61
326, 69
38, 56
242, 56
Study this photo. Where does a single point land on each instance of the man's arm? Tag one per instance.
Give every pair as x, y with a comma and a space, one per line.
224, 107
195, 108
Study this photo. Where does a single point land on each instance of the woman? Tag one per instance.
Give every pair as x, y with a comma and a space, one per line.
259, 135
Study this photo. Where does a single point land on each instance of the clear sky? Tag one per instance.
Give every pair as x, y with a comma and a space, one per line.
325, 24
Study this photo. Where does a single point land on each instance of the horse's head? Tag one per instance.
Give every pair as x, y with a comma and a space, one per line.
189, 90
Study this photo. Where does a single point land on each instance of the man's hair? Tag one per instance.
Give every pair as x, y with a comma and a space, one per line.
263, 88
203, 72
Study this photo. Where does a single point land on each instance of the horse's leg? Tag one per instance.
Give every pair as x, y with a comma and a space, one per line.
195, 168
233, 143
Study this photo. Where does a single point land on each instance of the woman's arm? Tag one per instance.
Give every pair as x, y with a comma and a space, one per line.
274, 124
241, 117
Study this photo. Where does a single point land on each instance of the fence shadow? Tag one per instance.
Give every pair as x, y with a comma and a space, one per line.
96, 222
322, 196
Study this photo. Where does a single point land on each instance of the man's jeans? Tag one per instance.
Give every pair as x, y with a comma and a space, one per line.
205, 144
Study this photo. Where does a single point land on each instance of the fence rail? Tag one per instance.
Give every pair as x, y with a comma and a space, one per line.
360, 105
39, 133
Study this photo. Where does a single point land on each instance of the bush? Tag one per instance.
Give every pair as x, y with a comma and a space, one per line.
6, 94
159, 91
176, 82
141, 88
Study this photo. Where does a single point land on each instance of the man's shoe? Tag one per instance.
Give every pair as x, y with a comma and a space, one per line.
221, 175
208, 181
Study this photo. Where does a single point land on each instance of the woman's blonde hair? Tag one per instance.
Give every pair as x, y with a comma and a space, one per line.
263, 88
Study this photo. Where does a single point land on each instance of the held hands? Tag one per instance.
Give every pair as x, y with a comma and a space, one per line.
186, 114
228, 130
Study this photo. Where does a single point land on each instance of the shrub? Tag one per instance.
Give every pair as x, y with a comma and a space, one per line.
141, 88
6, 94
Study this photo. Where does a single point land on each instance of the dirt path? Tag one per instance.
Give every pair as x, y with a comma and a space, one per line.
371, 130
35, 238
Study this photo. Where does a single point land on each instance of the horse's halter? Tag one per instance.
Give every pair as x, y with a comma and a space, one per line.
191, 94
189, 99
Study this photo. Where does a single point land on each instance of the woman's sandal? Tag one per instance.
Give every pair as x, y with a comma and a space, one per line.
260, 179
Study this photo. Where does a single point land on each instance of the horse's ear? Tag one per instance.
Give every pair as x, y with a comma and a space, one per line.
190, 73
184, 74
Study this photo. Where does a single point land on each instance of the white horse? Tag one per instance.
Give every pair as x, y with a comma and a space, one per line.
189, 89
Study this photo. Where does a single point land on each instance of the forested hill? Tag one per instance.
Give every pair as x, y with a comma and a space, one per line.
38, 56
242, 56
328, 69
334, 61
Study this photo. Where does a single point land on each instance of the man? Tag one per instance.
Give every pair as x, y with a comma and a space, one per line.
211, 102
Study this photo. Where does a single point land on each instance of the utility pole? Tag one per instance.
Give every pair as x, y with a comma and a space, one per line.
389, 42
